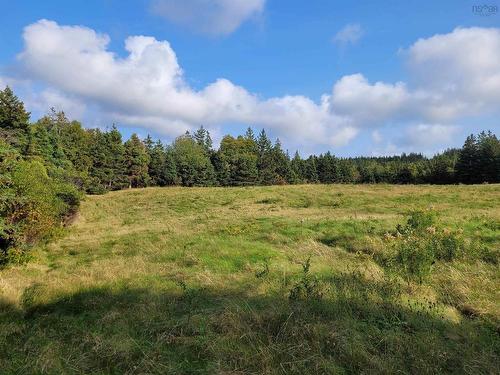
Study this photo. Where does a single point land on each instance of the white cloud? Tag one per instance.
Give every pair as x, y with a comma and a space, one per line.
420, 138
425, 135
147, 88
349, 34
216, 17
451, 76
365, 103
457, 73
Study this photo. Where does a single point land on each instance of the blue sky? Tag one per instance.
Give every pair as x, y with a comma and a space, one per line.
320, 75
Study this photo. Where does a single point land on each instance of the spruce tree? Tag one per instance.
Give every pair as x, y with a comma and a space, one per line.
467, 164
488, 157
311, 170
170, 170
116, 163
193, 165
14, 121
136, 160
158, 168
202, 138
237, 162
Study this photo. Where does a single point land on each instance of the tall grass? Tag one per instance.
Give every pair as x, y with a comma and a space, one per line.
255, 281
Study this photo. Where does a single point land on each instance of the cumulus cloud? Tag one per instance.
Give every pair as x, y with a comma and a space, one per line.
148, 88
451, 75
425, 135
458, 73
368, 104
349, 34
216, 17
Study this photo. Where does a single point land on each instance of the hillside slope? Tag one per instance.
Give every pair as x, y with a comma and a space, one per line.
264, 280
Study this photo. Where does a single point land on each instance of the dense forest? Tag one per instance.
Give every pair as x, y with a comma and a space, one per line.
46, 167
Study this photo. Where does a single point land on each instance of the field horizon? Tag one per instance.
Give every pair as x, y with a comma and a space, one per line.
256, 280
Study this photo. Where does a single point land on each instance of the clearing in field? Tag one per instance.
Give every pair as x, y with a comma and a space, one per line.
262, 280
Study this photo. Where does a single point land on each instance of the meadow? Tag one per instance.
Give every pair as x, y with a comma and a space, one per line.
257, 280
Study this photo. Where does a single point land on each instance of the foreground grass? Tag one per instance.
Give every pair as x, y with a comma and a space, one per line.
198, 281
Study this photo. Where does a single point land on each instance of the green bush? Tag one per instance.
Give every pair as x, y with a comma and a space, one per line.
307, 287
418, 221
413, 258
32, 204
418, 244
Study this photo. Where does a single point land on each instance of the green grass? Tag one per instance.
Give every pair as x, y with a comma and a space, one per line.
198, 281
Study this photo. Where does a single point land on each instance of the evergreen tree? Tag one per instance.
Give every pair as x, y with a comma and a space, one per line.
45, 139
193, 165
298, 168
467, 164
237, 161
282, 167
265, 162
488, 157
442, 168
149, 143
137, 160
264, 144
311, 170
327, 168
202, 138
40, 144
14, 121
249, 135
75, 142
161, 166
99, 172
116, 162
170, 170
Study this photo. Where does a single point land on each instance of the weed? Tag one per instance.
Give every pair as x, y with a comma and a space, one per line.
308, 287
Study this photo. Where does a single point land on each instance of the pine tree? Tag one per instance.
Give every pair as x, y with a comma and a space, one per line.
115, 160
281, 165
327, 168
249, 134
193, 165
442, 168
311, 170
489, 157
170, 170
158, 169
264, 144
45, 139
265, 162
202, 138
14, 121
467, 164
75, 142
298, 168
137, 160
236, 162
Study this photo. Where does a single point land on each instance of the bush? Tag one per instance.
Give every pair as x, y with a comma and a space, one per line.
418, 221
308, 287
413, 258
418, 244
32, 204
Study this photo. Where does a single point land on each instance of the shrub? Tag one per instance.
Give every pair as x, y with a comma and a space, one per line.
418, 221
32, 204
308, 287
418, 244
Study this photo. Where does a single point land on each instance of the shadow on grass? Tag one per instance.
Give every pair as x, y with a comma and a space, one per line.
359, 328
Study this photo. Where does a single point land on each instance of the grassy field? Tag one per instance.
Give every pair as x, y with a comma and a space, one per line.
217, 281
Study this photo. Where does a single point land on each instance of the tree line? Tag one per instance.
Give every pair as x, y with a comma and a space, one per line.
101, 161
46, 166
